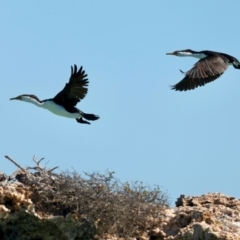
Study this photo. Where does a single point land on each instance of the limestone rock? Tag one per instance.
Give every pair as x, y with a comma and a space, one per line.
18, 219
212, 216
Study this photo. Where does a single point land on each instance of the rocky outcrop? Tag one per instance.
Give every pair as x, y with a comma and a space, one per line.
208, 217
42, 205
19, 221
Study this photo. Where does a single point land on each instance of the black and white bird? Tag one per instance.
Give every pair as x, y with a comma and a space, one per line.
63, 104
210, 67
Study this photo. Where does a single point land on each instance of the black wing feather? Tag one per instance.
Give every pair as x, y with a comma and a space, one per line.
75, 90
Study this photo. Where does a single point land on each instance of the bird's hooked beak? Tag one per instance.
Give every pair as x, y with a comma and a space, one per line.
16, 98
173, 53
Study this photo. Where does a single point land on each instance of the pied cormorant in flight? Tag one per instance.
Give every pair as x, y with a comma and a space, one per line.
64, 103
210, 67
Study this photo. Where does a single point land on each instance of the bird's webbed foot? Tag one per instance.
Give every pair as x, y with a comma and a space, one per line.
80, 120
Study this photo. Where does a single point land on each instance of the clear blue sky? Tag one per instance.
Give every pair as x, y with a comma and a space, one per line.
186, 142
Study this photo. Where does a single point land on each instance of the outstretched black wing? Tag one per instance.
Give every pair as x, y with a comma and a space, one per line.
75, 90
204, 71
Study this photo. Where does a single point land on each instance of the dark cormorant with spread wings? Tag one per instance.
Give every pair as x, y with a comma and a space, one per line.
210, 67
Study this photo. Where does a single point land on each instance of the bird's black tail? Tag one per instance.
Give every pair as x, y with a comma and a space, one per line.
87, 116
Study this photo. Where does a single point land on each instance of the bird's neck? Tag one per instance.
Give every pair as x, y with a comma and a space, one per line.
195, 55
33, 101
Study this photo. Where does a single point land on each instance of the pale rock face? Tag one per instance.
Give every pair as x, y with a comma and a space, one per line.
17, 211
3, 211
212, 216
14, 197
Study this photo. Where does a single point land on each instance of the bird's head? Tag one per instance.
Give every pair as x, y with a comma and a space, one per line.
26, 98
17, 98
182, 53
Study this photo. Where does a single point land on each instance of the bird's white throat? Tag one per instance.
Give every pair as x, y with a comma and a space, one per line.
32, 100
188, 54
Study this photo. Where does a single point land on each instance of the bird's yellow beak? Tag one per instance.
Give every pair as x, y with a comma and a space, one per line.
16, 98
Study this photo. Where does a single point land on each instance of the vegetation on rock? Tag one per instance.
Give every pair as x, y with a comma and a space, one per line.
99, 201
